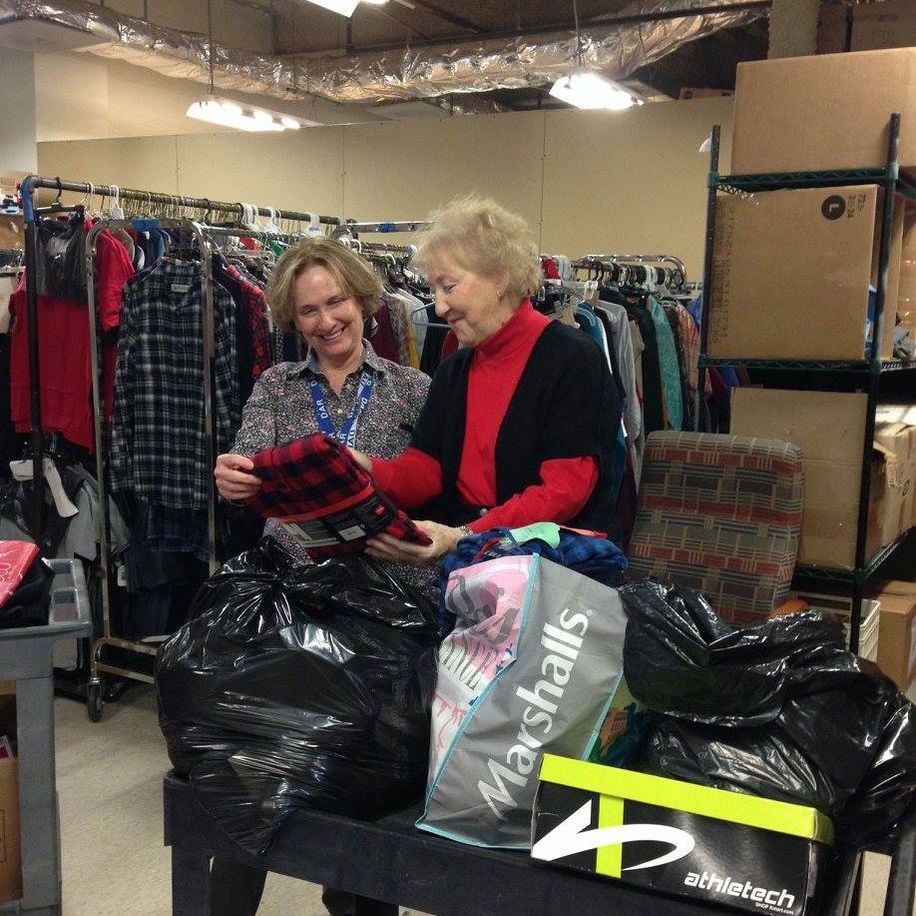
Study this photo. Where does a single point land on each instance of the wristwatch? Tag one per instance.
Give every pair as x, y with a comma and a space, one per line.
465, 531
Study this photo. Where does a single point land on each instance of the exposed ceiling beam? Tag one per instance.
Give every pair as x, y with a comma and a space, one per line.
602, 22
411, 29
252, 5
446, 16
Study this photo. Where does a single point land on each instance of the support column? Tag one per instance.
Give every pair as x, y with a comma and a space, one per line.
793, 28
18, 140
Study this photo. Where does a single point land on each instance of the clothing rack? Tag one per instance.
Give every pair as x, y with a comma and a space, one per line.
399, 252
95, 699
354, 226
671, 270
27, 189
30, 184
202, 234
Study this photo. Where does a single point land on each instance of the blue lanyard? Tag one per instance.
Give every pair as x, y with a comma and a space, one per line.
347, 433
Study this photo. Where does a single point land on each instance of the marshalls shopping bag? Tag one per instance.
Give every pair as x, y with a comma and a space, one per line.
533, 665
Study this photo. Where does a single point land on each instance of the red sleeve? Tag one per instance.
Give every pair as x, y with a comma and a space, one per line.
566, 484
411, 479
114, 269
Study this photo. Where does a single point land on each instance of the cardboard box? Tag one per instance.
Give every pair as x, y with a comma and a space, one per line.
895, 437
889, 24
716, 846
10, 854
906, 290
823, 112
900, 417
897, 633
12, 234
791, 274
693, 92
829, 428
869, 624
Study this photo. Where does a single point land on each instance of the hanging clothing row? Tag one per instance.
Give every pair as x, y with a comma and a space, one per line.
639, 314
175, 335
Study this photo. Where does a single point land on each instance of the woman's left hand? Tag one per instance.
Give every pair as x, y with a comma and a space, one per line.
444, 540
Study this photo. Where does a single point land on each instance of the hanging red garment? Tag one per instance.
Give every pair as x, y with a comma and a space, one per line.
64, 365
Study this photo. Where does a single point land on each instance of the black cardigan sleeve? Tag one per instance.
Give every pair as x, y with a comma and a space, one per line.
582, 407
581, 416
439, 430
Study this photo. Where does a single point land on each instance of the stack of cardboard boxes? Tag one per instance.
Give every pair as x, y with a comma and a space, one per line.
897, 636
10, 856
795, 273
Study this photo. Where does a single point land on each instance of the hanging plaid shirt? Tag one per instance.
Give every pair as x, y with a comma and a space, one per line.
158, 443
252, 303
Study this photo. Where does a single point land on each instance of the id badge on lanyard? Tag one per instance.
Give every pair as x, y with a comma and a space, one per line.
346, 435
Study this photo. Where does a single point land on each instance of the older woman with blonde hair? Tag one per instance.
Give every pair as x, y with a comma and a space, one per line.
520, 422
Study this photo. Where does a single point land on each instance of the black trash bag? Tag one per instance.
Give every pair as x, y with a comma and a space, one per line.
779, 709
299, 686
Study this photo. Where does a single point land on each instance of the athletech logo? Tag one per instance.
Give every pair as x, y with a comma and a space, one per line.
572, 836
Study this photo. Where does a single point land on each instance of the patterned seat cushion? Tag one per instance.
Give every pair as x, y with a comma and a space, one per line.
721, 514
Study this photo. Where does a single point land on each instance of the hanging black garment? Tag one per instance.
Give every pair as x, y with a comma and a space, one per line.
432, 345
62, 258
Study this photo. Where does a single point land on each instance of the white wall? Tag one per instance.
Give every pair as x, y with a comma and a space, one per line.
83, 97
18, 149
586, 181
233, 24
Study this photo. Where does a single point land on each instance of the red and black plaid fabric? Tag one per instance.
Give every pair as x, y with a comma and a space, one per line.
317, 479
255, 302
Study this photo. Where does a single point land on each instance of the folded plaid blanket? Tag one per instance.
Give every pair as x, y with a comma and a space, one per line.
329, 502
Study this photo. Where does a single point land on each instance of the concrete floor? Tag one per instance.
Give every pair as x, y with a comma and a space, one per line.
109, 778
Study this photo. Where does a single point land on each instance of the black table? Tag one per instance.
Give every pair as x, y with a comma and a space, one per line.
391, 860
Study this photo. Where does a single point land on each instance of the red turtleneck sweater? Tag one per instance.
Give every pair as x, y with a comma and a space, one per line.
415, 478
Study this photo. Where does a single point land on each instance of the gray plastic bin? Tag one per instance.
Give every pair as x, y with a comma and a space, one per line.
27, 657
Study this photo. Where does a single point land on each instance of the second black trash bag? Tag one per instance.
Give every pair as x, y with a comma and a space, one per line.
299, 687
780, 709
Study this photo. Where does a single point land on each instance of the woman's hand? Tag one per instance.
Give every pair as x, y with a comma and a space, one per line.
362, 459
444, 540
233, 477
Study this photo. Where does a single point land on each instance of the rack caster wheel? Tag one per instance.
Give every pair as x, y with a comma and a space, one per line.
95, 702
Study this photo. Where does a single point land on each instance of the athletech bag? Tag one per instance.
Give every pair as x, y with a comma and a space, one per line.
534, 664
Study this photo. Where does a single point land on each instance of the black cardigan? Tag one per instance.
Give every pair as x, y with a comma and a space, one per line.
565, 406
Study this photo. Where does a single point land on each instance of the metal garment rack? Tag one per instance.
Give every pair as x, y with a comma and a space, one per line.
202, 235
674, 267
383, 226
865, 374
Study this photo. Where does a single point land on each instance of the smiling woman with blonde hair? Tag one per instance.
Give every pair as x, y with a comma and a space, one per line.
326, 293
520, 423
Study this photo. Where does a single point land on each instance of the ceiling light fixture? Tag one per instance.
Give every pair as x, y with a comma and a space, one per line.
231, 114
345, 7
585, 89
243, 117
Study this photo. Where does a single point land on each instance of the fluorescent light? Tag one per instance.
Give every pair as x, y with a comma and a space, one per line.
375, 2
231, 114
343, 7
584, 89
